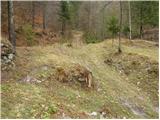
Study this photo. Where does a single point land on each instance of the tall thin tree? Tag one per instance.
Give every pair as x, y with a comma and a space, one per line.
141, 20
102, 11
89, 16
11, 29
120, 27
64, 15
33, 14
44, 15
130, 24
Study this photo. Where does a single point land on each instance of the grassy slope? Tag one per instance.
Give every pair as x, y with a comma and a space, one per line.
50, 99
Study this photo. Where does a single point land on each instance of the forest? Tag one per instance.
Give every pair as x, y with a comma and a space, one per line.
80, 59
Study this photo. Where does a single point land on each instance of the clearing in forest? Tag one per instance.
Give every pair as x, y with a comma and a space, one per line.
121, 90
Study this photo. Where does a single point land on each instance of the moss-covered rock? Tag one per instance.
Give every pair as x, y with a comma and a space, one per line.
7, 55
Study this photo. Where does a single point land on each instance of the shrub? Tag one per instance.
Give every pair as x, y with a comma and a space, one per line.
113, 26
29, 34
90, 38
126, 30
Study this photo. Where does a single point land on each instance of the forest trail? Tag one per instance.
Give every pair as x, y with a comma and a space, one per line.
58, 60
77, 40
117, 94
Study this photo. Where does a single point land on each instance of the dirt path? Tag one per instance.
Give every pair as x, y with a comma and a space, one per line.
77, 40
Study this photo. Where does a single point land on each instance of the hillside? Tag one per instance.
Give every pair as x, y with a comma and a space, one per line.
126, 85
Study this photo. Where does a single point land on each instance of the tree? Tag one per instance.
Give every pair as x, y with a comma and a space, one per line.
126, 31
11, 29
130, 23
33, 13
64, 15
89, 16
102, 11
147, 13
44, 16
113, 27
141, 20
74, 13
120, 27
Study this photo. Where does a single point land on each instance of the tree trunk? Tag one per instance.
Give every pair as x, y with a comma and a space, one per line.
141, 22
89, 16
120, 25
77, 21
113, 40
44, 16
130, 24
102, 26
63, 27
11, 29
33, 14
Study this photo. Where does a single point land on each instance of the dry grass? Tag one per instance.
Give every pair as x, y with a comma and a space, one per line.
113, 87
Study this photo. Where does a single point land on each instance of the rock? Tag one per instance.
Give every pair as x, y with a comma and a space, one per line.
38, 81
29, 79
8, 61
10, 56
64, 116
93, 114
5, 58
7, 55
99, 89
81, 79
103, 115
138, 83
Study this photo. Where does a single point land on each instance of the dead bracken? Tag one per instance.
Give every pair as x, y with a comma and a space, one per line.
74, 74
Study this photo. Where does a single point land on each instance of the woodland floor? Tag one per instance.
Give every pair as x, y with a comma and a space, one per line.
127, 83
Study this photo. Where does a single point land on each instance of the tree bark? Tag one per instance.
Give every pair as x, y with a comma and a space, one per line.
130, 24
63, 27
33, 14
141, 22
11, 29
120, 25
102, 26
89, 16
44, 16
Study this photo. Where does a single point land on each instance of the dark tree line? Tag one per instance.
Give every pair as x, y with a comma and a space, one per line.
130, 20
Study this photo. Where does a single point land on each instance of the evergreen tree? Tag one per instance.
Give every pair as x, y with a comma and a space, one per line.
64, 15
126, 31
74, 15
145, 14
113, 27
